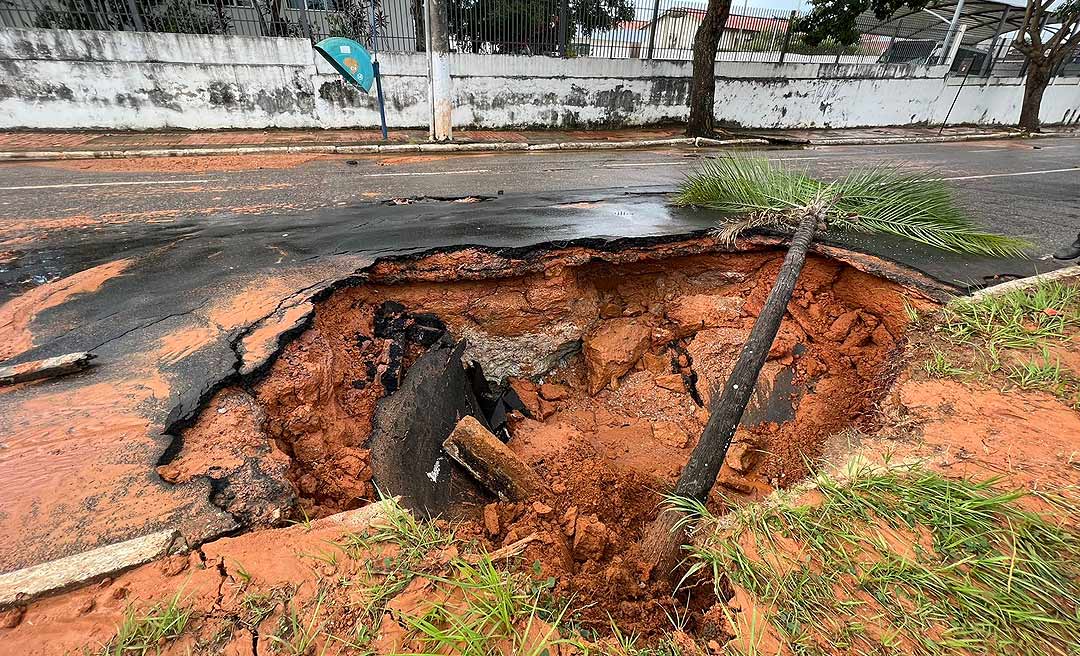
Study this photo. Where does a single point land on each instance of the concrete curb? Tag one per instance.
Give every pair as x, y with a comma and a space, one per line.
859, 141
1023, 283
25, 584
373, 149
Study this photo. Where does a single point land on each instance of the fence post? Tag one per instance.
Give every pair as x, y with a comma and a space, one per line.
304, 22
988, 65
134, 9
892, 41
787, 35
563, 17
438, 33
652, 29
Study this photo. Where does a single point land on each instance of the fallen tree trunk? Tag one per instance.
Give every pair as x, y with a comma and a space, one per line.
491, 462
662, 539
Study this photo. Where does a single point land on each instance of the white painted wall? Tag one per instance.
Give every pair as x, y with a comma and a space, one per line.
52, 79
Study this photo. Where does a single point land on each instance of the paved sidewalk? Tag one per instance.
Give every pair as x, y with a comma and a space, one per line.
80, 144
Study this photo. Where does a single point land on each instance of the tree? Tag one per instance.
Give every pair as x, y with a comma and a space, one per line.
530, 27
703, 82
176, 16
758, 194
1044, 55
354, 20
836, 19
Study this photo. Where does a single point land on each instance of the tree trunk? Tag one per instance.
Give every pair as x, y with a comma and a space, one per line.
1038, 77
660, 545
703, 83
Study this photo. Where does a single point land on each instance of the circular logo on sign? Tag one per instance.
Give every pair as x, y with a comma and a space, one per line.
351, 64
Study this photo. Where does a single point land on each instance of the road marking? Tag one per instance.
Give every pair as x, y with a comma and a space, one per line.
1010, 175
103, 184
395, 175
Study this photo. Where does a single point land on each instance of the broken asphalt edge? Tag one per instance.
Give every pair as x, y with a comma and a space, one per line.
508, 146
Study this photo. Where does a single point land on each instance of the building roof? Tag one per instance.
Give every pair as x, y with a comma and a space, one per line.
980, 16
734, 21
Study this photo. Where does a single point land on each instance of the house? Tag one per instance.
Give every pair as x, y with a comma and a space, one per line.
675, 29
623, 42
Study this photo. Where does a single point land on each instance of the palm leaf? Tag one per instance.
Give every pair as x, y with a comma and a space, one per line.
882, 200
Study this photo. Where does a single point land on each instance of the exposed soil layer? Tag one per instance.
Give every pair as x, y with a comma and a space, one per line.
613, 355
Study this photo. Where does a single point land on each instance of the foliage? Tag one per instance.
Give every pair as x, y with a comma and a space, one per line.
912, 205
273, 22
773, 41
529, 26
836, 19
355, 18
145, 633
178, 16
902, 558
1020, 318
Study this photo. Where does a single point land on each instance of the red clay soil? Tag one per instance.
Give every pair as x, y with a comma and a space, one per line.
610, 427
194, 164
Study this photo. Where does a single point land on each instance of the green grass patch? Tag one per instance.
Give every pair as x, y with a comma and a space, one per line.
902, 560
939, 366
146, 633
1022, 318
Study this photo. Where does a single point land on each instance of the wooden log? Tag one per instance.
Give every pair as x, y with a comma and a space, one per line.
491, 462
47, 368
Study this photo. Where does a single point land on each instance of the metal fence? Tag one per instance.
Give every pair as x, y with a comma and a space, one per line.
614, 29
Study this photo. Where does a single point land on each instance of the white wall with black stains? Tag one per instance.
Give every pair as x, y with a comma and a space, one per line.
60, 79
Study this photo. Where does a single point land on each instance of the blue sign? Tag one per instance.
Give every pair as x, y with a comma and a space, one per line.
350, 59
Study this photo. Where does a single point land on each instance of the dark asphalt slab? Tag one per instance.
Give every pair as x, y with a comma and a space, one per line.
195, 238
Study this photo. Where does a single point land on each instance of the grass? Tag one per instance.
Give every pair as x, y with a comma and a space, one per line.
1038, 374
296, 636
902, 560
939, 366
481, 610
995, 335
145, 633
1018, 319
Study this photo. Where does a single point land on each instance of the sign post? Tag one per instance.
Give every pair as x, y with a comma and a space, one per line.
355, 64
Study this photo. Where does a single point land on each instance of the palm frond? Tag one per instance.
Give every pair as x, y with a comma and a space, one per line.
882, 200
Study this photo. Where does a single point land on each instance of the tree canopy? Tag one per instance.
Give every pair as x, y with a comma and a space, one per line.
836, 19
530, 26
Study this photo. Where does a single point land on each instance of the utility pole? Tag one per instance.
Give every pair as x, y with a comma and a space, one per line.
439, 87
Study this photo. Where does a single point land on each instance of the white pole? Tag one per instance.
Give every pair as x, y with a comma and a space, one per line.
947, 46
438, 45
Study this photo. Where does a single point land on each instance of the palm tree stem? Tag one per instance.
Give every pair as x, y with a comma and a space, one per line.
701, 471
660, 545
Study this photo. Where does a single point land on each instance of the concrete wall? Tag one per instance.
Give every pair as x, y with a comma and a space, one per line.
120, 80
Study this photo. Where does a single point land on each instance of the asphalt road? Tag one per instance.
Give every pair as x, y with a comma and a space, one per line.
189, 254
1017, 187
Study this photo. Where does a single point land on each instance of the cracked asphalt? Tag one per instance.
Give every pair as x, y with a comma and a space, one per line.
213, 253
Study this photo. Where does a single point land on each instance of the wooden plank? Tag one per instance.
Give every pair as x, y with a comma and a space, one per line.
491, 462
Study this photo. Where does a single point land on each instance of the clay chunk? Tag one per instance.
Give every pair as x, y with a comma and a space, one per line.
491, 462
